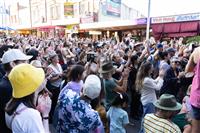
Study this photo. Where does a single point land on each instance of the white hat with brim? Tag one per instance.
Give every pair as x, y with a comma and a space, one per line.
13, 55
167, 102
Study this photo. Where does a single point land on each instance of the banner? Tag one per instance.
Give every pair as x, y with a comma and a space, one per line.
68, 9
113, 8
176, 18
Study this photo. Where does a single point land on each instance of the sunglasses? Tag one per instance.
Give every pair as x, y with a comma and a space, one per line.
176, 62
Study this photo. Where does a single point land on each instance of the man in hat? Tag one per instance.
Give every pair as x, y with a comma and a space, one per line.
160, 122
9, 59
112, 86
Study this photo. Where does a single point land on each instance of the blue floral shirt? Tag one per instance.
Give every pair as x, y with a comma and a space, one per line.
76, 115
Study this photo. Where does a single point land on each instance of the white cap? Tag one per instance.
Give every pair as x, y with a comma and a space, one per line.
92, 87
13, 55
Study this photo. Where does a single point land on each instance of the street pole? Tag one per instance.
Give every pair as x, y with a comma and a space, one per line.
148, 20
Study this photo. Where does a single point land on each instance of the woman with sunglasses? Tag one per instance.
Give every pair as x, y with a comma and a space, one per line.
172, 78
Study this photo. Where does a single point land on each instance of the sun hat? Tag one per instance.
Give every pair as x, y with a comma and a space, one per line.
13, 55
92, 87
25, 79
106, 67
168, 102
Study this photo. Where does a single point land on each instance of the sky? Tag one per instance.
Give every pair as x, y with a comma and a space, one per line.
165, 7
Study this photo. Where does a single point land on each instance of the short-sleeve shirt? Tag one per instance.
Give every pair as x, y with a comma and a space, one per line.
110, 85
154, 124
118, 119
75, 115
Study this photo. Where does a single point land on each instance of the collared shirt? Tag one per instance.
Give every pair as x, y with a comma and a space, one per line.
154, 124
75, 115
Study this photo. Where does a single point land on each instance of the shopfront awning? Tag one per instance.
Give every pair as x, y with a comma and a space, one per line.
181, 29
171, 28
189, 26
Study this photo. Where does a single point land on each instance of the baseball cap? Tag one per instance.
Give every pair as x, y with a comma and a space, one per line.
13, 55
92, 86
25, 79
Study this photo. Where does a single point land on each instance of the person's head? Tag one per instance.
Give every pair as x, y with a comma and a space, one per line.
53, 57
134, 59
27, 81
167, 106
12, 58
175, 62
76, 73
92, 87
117, 58
107, 70
171, 51
159, 47
144, 71
164, 56
34, 53
121, 100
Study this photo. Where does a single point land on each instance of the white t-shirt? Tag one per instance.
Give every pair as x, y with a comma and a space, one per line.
148, 94
27, 121
57, 70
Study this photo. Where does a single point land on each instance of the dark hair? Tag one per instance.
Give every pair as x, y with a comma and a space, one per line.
60, 56
14, 103
134, 58
76, 71
120, 99
163, 55
7, 67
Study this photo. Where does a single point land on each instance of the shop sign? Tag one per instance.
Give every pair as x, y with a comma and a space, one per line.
141, 21
87, 19
163, 19
68, 9
113, 8
178, 18
190, 17
72, 29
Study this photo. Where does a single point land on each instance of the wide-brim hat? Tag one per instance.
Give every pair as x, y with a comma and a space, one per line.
168, 102
107, 67
25, 79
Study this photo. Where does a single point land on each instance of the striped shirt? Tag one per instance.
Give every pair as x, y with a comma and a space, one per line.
154, 124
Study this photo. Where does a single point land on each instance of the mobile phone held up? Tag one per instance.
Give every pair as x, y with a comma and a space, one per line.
90, 57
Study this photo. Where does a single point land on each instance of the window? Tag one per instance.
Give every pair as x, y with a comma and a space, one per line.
55, 14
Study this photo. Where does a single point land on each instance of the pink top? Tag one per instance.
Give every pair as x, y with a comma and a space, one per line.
195, 90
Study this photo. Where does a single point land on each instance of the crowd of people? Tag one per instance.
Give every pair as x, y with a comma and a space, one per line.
82, 85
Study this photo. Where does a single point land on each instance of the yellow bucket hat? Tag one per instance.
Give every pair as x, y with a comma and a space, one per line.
25, 79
